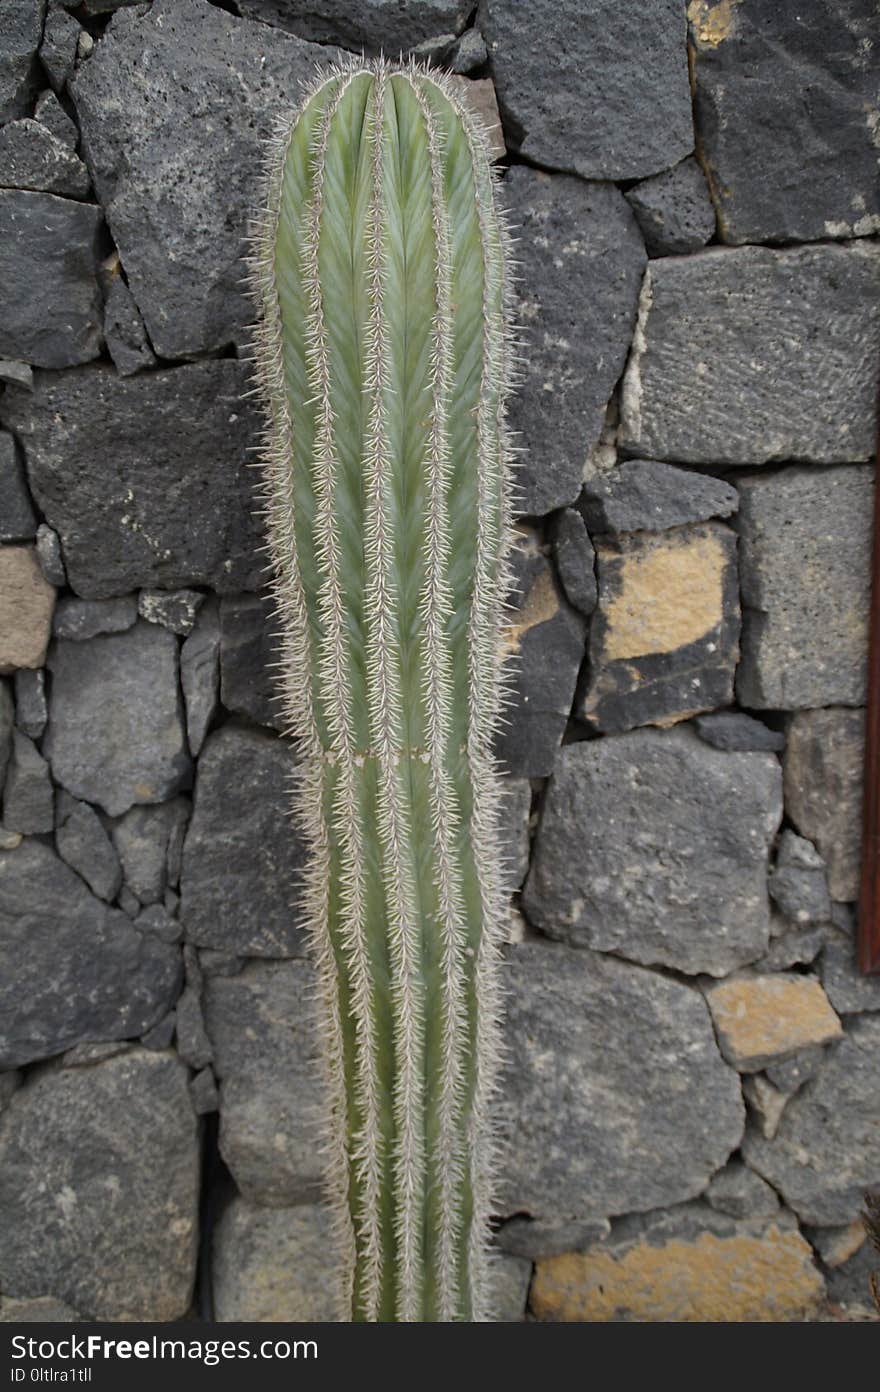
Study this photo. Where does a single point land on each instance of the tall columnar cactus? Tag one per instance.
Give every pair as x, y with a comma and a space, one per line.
382, 355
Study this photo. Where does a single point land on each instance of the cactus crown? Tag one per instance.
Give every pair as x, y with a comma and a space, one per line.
382, 354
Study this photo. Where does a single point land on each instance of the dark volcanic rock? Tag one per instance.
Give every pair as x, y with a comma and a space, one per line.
664, 640
51, 114
200, 674
174, 609
674, 210
374, 25
654, 846
49, 556
31, 711
124, 330
600, 89
242, 855
178, 513
849, 991
142, 839
248, 650
582, 260
642, 495
749, 356
32, 158
797, 884
58, 49
174, 107
272, 1264
18, 521
271, 1083
50, 303
805, 562
615, 1094
575, 560
546, 643
734, 730
19, 40
84, 844
786, 108
28, 801
824, 760
835, 1120
115, 733
72, 969
99, 1188
86, 618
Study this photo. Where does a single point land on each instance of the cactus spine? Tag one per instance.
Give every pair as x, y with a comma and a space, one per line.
382, 356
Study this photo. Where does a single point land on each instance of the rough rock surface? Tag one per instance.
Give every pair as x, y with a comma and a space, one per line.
511, 1280
174, 106
72, 969
797, 884
805, 553
50, 303
847, 989
28, 801
18, 520
142, 838
654, 846
834, 1121
374, 24
823, 789
115, 733
682, 1267
242, 855
22, 30
180, 513
738, 732
645, 495
86, 618
200, 674
740, 1193
248, 650
271, 1264
61, 34
31, 711
124, 330
174, 609
99, 1188
787, 110
664, 640
674, 210
751, 355
266, 1059
601, 90
26, 604
50, 113
83, 843
49, 553
575, 560
545, 643
582, 260
762, 1019
615, 1094
31, 157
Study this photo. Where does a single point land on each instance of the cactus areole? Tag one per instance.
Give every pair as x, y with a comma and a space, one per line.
382, 356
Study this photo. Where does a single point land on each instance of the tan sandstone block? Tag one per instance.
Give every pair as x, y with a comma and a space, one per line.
763, 1277
762, 1018
26, 604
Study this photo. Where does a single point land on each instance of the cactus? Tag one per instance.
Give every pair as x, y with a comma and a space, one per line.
382, 356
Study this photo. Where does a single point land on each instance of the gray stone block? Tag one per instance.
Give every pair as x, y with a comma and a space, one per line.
655, 847
805, 557
83, 843
643, 495
751, 356
823, 765
674, 210
242, 857
115, 734
99, 1189
180, 513
786, 107
600, 89
615, 1096
72, 969
578, 285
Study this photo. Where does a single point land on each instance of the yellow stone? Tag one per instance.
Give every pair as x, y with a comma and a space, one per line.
712, 23
762, 1018
668, 593
745, 1277
27, 601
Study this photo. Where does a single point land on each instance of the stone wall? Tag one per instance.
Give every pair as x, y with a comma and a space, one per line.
691, 1098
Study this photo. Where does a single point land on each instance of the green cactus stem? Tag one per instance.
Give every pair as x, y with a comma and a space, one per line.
382, 355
